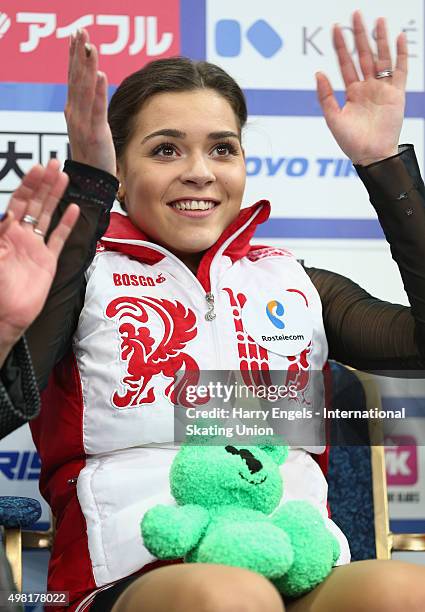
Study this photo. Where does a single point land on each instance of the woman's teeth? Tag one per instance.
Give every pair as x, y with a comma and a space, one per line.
193, 205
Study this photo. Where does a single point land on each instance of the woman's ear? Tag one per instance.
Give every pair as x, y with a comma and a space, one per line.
121, 189
121, 194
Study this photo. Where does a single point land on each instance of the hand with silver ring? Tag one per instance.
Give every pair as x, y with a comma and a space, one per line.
367, 127
28, 264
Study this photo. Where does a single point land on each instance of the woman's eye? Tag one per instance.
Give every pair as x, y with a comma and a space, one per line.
165, 150
224, 149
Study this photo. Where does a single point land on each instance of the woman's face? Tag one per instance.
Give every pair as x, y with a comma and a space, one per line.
183, 171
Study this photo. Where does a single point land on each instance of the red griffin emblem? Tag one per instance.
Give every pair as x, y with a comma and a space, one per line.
146, 357
254, 359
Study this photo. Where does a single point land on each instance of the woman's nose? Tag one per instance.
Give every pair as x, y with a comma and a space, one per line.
198, 171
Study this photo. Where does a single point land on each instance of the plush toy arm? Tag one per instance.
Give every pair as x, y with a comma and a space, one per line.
315, 548
171, 532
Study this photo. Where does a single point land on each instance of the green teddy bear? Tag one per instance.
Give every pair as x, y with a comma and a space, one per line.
225, 498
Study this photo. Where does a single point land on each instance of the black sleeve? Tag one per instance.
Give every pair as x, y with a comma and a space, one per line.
365, 332
19, 398
50, 335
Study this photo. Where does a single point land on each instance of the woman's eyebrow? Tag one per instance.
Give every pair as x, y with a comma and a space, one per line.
179, 134
165, 132
224, 134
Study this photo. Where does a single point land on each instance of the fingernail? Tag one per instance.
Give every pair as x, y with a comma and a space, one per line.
87, 49
79, 33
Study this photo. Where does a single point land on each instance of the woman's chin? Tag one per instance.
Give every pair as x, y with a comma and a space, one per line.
191, 246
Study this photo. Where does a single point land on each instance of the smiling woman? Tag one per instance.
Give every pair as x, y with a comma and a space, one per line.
177, 126
126, 347
182, 172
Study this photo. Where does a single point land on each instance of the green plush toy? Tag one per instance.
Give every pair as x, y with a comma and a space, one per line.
225, 498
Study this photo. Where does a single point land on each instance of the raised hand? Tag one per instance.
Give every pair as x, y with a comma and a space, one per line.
86, 107
367, 127
27, 263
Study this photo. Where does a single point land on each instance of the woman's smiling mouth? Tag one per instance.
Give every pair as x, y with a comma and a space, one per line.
194, 208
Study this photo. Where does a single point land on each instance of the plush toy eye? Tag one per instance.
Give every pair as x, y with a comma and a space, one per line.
252, 463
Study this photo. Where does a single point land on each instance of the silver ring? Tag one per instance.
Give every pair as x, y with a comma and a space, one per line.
383, 74
30, 219
39, 232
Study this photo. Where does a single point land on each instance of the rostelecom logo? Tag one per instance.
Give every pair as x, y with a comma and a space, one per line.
274, 310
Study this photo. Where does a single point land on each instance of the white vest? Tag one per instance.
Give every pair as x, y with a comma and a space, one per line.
143, 319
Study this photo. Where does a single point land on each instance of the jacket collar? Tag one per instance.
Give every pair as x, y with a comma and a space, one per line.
126, 238
121, 234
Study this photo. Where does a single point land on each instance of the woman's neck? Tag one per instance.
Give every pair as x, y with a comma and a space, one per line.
191, 260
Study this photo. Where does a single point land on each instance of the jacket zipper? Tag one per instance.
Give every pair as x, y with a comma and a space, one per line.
210, 316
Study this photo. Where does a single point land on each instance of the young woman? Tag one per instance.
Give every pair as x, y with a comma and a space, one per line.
183, 252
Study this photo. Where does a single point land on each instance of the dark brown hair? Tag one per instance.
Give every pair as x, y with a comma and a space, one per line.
173, 74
